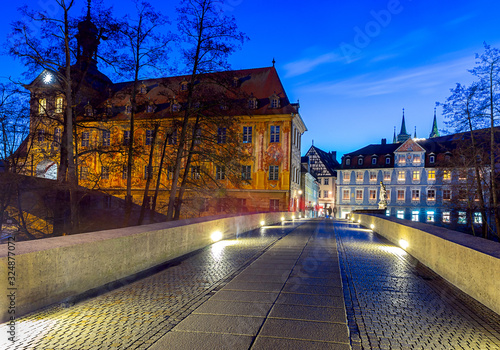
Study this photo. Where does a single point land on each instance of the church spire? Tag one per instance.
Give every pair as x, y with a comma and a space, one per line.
434, 131
394, 140
403, 135
415, 134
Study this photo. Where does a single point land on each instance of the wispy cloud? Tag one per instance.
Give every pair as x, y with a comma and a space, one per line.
307, 65
421, 80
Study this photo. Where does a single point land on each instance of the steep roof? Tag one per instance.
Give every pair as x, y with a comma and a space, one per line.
328, 159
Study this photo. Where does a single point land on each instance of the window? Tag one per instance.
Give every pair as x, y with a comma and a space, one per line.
128, 109
415, 195
42, 106
246, 172
275, 102
446, 195
150, 108
252, 103
401, 195
221, 135
148, 172
373, 194
462, 175
345, 195
247, 134
462, 217
415, 215
85, 139
348, 161
431, 195
274, 172
326, 181
387, 176
359, 176
430, 216
220, 172
373, 176
346, 176
184, 86
478, 219
359, 194
416, 175
143, 89
360, 161
319, 194
432, 159
197, 136
401, 175
57, 135
109, 109
104, 172
149, 137
124, 172
400, 214
172, 137
106, 138
88, 110
387, 160
275, 133
195, 172
416, 159
176, 107
84, 173
388, 195
446, 216
274, 205
126, 137
59, 104
325, 193
447, 175
402, 159
431, 175
374, 160
41, 135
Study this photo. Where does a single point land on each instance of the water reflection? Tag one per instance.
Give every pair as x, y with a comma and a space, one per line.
218, 248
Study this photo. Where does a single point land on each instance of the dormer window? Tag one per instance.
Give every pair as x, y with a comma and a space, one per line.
176, 107
236, 82
274, 101
150, 108
387, 160
59, 104
374, 160
128, 109
432, 159
88, 110
42, 105
348, 161
108, 109
184, 85
252, 103
143, 89
360, 161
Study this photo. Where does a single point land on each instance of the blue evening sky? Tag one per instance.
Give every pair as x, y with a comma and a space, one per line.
354, 65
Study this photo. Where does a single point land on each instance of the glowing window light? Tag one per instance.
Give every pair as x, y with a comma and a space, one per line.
403, 244
216, 236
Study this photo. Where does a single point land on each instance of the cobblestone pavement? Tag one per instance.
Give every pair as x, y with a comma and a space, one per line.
394, 302
136, 315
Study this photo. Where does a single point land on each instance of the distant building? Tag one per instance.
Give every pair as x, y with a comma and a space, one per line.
324, 167
426, 180
310, 190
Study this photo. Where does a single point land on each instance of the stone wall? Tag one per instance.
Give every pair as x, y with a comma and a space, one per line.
470, 263
52, 270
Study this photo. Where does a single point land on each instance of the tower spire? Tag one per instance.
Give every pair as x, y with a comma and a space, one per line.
394, 140
88, 10
415, 134
403, 135
435, 130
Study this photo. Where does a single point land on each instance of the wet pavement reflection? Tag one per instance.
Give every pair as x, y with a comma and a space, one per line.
394, 302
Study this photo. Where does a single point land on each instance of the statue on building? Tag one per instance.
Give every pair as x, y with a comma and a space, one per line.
382, 204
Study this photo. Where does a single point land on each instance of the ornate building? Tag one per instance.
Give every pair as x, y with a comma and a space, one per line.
264, 126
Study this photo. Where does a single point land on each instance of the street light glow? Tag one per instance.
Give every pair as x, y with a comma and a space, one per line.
216, 236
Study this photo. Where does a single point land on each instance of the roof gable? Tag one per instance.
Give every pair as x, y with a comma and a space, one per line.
410, 146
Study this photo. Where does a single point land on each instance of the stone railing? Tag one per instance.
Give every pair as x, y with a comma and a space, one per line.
53, 270
470, 263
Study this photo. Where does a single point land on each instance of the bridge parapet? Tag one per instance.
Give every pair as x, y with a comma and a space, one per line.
470, 263
51, 270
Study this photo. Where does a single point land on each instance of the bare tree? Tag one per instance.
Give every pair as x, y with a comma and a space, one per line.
209, 40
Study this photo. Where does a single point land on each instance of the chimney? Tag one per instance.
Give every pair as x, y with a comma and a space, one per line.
384, 141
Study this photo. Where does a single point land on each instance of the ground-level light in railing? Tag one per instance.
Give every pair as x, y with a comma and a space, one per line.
216, 236
403, 244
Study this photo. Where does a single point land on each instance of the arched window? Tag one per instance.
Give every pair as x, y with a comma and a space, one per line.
59, 104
